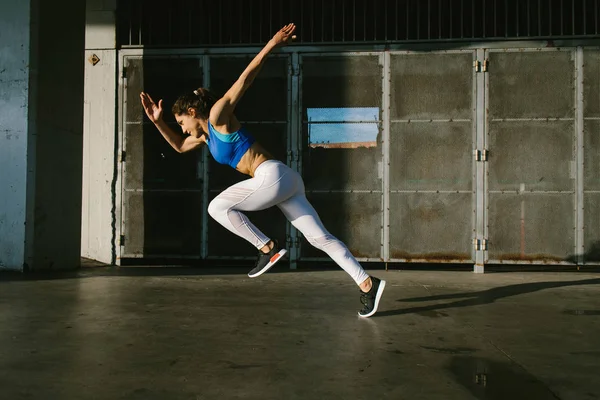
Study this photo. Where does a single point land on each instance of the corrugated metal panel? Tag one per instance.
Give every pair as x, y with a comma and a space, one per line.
236, 22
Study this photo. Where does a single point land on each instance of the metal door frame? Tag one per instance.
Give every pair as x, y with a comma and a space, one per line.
121, 170
477, 171
384, 62
577, 143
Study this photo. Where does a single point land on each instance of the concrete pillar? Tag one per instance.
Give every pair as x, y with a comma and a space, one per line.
14, 133
100, 116
41, 123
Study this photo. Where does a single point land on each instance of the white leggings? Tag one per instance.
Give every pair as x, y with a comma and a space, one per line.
275, 184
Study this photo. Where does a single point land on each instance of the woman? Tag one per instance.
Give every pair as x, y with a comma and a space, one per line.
206, 119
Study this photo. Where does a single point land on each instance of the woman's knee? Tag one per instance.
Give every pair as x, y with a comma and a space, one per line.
326, 242
218, 208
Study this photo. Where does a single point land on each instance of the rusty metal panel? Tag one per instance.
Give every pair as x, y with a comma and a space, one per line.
532, 162
354, 218
431, 156
162, 224
591, 155
531, 227
158, 183
266, 100
592, 227
222, 243
341, 81
591, 83
342, 169
531, 84
432, 86
431, 226
531, 156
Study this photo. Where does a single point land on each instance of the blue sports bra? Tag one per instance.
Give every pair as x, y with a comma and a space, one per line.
228, 149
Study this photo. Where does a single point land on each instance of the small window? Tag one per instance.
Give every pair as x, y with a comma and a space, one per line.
343, 128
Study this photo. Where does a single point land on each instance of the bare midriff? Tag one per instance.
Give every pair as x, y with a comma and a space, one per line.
253, 157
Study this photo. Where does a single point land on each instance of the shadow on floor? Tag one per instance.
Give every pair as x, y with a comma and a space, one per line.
469, 299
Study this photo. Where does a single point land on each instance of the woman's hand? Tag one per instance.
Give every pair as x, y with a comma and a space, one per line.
153, 111
284, 35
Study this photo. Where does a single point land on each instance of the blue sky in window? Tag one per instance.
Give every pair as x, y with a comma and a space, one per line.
343, 132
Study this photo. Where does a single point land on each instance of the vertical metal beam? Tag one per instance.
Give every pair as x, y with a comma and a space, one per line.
205, 164
549, 17
562, 19
506, 30
439, 19
118, 217
294, 142
365, 2
517, 22
539, 17
596, 17
528, 18
451, 33
428, 19
483, 21
353, 20
479, 115
579, 157
322, 21
572, 17
344, 21
408, 19
385, 146
462, 19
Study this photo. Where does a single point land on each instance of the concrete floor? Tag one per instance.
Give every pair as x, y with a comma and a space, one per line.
158, 333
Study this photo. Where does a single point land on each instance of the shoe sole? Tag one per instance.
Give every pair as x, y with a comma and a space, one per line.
377, 298
272, 262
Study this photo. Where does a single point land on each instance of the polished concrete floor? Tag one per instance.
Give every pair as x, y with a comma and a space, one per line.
164, 333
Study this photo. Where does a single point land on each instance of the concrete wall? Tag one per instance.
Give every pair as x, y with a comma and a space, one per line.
14, 98
41, 120
59, 130
99, 132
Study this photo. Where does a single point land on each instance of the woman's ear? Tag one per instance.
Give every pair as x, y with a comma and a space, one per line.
192, 112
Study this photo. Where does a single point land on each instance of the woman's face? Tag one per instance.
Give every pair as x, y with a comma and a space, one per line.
189, 124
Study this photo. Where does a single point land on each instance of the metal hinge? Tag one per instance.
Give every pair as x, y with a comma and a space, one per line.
481, 155
124, 72
122, 240
481, 66
480, 244
122, 156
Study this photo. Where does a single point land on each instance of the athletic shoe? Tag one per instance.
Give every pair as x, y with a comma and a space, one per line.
266, 261
370, 300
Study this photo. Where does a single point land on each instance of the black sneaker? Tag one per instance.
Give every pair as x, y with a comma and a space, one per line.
266, 261
371, 299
